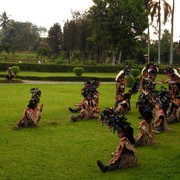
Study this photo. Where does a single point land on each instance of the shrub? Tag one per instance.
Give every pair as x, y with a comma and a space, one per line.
78, 71
15, 69
130, 81
135, 72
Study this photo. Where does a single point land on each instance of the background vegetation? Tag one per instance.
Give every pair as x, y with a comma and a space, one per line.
110, 32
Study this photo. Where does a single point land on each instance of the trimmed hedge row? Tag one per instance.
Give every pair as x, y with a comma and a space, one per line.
69, 68
61, 68
60, 78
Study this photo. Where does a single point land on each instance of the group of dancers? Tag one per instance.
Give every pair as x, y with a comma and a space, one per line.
157, 109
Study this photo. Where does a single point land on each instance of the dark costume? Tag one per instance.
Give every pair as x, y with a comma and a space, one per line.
91, 85
159, 115
32, 113
123, 106
173, 114
145, 105
122, 103
89, 108
124, 156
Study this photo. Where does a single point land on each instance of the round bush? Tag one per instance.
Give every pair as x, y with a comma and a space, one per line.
15, 69
135, 72
130, 81
78, 71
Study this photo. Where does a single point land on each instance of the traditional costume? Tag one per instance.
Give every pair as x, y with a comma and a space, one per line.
121, 84
145, 105
32, 114
91, 85
89, 109
123, 106
174, 87
124, 156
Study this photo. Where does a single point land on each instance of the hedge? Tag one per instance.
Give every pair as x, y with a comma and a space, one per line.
61, 68
69, 68
62, 78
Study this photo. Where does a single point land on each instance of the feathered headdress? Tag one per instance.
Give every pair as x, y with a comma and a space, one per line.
35, 98
117, 123
145, 105
171, 71
126, 71
153, 70
135, 87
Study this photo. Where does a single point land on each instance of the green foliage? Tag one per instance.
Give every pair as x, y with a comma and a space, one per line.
135, 72
130, 81
78, 71
15, 69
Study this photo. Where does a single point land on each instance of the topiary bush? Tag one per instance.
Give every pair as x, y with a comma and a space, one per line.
135, 72
130, 81
78, 71
15, 69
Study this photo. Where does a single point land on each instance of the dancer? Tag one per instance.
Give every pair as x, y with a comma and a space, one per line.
123, 106
121, 84
145, 105
124, 156
160, 123
90, 84
173, 82
89, 109
32, 113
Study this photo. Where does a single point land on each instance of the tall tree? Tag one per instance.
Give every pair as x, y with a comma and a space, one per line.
150, 7
158, 10
4, 24
4, 21
55, 40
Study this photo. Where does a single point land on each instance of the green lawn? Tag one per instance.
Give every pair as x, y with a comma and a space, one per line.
60, 149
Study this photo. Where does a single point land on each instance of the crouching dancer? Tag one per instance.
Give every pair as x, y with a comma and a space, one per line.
124, 156
89, 107
32, 113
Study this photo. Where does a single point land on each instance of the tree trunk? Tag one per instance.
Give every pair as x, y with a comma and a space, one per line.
172, 34
148, 45
120, 55
114, 58
159, 34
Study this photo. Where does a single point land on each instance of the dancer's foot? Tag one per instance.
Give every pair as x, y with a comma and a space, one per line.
101, 166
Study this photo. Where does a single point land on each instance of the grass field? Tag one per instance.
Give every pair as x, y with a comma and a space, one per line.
60, 149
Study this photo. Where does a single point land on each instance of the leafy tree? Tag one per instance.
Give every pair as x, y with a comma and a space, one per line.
21, 36
55, 40
120, 23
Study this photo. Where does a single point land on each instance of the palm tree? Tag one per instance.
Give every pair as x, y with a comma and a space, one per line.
4, 21
167, 11
147, 4
154, 9
172, 33
4, 24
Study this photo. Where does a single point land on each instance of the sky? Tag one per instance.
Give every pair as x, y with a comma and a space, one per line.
44, 13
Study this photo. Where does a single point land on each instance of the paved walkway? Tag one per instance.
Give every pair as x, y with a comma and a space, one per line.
58, 82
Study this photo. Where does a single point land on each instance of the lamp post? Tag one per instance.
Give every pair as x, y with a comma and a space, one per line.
146, 58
